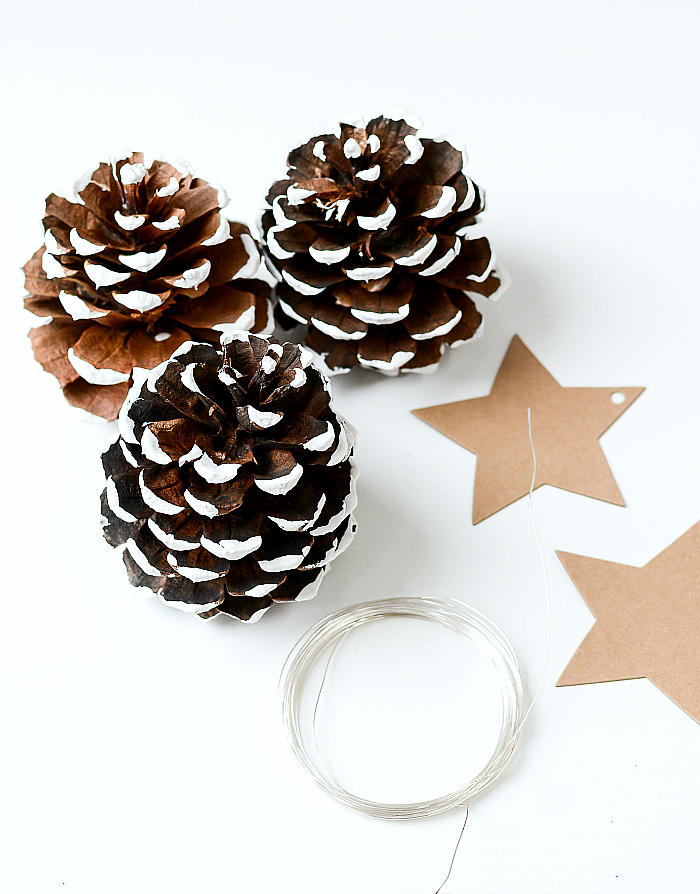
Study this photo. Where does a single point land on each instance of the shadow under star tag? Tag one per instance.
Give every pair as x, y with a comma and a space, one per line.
566, 425
647, 621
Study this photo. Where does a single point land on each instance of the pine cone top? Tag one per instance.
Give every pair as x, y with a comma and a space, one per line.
370, 232
232, 483
139, 263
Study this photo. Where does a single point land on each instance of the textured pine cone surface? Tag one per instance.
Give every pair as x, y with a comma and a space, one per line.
232, 482
370, 234
140, 262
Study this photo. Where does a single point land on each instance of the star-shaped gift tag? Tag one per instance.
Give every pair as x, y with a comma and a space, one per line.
566, 425
647, 621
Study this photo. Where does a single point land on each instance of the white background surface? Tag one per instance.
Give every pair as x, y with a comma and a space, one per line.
142, 751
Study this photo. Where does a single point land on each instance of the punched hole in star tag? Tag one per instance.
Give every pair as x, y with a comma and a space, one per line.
617, 397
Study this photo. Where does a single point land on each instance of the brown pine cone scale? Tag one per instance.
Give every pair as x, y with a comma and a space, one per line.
231, 485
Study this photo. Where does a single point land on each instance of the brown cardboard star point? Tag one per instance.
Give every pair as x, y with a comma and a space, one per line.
647, 621
566, 425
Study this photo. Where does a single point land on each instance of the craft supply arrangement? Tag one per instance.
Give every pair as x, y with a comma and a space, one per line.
231, 483
221, 357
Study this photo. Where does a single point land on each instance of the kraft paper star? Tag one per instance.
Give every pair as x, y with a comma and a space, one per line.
566, 424
647, 621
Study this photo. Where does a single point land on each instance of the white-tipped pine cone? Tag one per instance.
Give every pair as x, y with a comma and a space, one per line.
142, 261
370, 235
232, 482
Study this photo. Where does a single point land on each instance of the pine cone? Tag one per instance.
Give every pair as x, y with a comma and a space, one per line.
139, 263
369, 232
232, 483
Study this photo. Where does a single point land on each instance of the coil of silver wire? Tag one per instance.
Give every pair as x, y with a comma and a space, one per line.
457, 616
